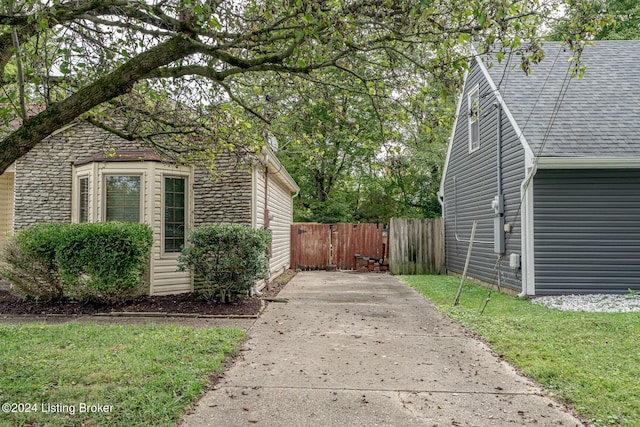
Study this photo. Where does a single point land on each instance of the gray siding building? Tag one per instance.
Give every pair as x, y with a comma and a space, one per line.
548, 166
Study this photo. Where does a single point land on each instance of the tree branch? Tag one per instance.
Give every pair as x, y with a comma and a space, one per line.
113, 84
136, 137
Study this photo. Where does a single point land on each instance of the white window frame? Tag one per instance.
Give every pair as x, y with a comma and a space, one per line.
103, 193
78, 196
80, 172
473, 117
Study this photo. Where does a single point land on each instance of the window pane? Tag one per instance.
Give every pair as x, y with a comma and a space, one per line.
123, 198
475, 135
174, 214
83, 203
115, 198
131, 215
132, 199
474, 119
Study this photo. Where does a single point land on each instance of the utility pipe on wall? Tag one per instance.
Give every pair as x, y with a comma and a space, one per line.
498, 203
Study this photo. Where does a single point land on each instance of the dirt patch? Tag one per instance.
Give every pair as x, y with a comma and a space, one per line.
275, 285
182, 303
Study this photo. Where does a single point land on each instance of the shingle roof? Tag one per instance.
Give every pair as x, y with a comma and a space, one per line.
599, 116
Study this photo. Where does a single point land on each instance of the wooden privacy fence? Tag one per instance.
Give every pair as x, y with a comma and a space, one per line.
316, 246
411, 246
416, 246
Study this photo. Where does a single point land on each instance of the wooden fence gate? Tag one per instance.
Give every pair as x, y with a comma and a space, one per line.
310, 245
316, 246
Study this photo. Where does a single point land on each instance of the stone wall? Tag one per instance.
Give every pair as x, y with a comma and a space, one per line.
224, 198
43, 176
43, 180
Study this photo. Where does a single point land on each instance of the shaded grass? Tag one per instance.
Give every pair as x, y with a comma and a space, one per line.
591, 361
148, 374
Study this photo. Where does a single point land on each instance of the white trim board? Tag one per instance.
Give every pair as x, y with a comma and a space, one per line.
588, 162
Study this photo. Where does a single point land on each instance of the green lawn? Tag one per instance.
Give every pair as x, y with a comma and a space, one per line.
86, 374
591, 361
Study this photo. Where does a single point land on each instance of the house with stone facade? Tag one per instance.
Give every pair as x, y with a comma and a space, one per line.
70, 178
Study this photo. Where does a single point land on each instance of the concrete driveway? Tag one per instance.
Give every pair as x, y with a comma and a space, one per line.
354, 349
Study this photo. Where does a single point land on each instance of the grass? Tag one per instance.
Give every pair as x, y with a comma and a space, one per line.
590, 361
149, 375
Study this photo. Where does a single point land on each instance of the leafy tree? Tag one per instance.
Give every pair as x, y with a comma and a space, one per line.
626, 20
179, 64
355, 163
609, 20
328, 134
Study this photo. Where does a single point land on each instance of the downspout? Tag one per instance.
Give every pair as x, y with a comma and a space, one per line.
265, 225
500, 244
498, 201
267, 216
531, 170
499, 148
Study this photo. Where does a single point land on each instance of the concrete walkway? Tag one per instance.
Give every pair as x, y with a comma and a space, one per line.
365, 350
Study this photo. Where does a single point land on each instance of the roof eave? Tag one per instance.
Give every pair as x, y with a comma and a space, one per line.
505, 108
269, 157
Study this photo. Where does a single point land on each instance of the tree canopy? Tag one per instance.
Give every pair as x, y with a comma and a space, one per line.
620, 19
178, 67
356, 157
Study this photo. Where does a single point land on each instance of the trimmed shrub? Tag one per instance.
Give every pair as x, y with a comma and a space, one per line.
226, 260
30, 259
104, 261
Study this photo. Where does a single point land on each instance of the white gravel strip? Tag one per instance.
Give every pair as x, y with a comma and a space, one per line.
606, 303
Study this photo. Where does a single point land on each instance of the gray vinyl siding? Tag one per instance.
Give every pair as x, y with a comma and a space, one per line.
471, 184
587, 231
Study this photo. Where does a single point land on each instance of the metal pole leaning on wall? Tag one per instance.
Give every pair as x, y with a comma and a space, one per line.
466, 263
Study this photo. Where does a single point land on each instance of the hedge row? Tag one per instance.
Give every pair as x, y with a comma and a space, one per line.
102, 262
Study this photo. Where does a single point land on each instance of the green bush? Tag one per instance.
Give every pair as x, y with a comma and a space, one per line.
226, 260
30, 257
104, 261
101, 261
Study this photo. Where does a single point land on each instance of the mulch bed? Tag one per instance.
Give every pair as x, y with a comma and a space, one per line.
182, 303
